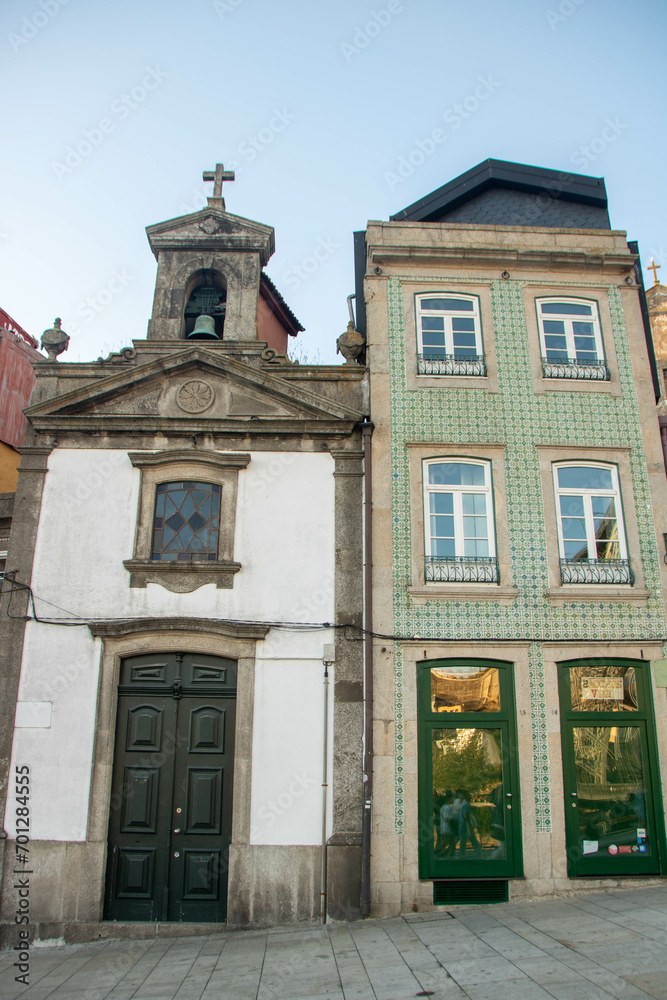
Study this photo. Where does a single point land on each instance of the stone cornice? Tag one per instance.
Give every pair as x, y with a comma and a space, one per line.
244, 427
530, 258
137, 626
222, 460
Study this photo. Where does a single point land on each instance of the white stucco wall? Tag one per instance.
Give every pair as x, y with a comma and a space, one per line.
285, 543
61, 667
288, 732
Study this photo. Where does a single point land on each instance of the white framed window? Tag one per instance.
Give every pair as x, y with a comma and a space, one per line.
460, 541
571, 339
449, 335
591, 533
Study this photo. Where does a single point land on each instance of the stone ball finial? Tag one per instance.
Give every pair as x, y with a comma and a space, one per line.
55, 341
350, 344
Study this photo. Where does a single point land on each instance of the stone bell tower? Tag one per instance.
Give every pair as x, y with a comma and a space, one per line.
209, 273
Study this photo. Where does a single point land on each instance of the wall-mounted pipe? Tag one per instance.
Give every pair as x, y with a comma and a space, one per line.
367, 431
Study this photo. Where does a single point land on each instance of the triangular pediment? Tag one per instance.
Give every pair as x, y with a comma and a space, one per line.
212, 229
191, 385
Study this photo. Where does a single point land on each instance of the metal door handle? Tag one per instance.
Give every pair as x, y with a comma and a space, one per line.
177, 830
573, 794
509, 795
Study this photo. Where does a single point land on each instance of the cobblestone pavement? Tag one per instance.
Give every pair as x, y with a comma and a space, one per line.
594, 947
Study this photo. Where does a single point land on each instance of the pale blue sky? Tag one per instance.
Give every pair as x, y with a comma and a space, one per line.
332, 107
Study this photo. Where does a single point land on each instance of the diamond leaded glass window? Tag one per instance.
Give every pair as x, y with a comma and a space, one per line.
186, 523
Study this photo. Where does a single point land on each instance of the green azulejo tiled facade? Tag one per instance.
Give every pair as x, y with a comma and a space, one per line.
524, 739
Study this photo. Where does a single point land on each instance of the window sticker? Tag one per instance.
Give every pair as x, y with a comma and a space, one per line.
590, 846
613, 849
602, 688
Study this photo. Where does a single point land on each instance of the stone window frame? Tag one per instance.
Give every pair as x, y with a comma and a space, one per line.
219, 468
504, 593
534, 291
558, 593
413, 288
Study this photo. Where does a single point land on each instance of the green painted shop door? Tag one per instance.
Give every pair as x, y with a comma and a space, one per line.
613, 814
470, 822
171, 801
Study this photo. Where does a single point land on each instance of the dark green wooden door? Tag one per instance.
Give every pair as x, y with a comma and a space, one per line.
171, 802
469, 802
613, 812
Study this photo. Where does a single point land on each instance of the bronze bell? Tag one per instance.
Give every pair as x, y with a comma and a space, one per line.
204, 329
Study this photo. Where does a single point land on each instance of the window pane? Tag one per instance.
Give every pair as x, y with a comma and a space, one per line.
572, 506
603, 689
464, 340
573, 527
442, 503
462, 323
185, 528
433, 323
474, 527
583, 329
442, 527
443, 548
474, 503
575, 551
608, 550
465, 689
585, 477
433, 339
476, 548
603, 506
554, 326
451, 305
551, 342
468, 798
456, 474
567, 308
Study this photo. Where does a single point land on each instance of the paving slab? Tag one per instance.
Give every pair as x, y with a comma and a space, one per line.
598, 946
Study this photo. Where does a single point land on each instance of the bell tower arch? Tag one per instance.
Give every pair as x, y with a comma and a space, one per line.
209, 259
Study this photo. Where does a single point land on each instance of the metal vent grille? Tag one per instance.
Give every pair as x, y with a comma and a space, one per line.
474, 890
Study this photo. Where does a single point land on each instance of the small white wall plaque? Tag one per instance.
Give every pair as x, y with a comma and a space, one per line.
33, 715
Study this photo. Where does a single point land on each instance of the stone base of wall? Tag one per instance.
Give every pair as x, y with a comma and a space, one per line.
268, 886
393, 899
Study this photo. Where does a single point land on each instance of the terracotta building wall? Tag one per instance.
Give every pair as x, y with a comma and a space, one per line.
270, 329
17, 381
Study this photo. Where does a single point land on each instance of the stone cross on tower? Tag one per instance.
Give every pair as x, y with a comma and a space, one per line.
655, 268
218, 176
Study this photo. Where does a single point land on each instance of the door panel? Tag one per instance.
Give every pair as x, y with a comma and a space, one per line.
170, 819
469, 815
613, 817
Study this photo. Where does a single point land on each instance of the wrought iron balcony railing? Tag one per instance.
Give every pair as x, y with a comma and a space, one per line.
462, 569
596, 571
592, 371
451, 364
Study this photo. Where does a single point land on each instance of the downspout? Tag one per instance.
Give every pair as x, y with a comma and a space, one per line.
328, 658
367, 431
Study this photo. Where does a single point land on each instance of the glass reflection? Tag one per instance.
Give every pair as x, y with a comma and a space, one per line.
611, 796
465, 689
603, 689
468, 799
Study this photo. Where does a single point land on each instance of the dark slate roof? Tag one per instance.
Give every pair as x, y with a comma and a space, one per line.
497, 192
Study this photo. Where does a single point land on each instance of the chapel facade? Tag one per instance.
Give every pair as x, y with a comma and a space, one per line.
186, 543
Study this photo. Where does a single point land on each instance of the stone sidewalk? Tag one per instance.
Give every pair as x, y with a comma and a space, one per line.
592, 947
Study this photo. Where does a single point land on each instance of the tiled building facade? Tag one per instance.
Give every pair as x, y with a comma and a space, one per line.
523, 420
